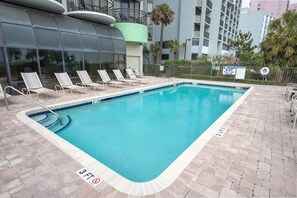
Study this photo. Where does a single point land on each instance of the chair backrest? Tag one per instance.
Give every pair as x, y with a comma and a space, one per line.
31, 80
1, 89
84, 77
63, 79
104, 75
131, 73
118, 74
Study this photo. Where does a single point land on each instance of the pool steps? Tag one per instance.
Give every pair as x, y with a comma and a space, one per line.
50, 122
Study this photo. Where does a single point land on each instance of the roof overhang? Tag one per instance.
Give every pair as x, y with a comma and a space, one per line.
93, 16
47, 5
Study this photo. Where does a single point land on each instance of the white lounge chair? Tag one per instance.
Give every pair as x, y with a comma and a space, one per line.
121, 78
86, 80
33, 84
291, 90
2, 93
66, 83
133, 76
106, 79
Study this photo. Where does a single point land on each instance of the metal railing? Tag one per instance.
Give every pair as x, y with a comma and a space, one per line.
7, 106
102, 6
276, 76
130, 15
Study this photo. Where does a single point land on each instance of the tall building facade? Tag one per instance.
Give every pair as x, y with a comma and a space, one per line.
69, 35
203, 25
256, 23
293, 6
273, 7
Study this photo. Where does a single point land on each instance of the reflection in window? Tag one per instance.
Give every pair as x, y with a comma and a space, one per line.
73, 62
3, 76
21, 60
91, 60
50, 62
119, 62
106, 62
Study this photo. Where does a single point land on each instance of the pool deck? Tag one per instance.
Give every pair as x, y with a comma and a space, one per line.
255, 157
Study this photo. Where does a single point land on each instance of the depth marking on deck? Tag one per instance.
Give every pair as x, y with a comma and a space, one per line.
89, 177
220, 132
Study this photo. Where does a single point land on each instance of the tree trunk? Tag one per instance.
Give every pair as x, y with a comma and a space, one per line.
161, 42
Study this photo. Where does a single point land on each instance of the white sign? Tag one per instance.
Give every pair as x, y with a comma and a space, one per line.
161, 68
89, 177
215, 68
221, 132
240, 73
229, 70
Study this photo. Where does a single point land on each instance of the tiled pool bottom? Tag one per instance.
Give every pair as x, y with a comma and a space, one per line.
223, 167
113, 178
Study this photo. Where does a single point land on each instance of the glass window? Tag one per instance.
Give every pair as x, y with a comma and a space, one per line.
41, 19
3, 73
16, 36
92, 64
85, 27
71, 41
119, 46
120, 62
105, 44
115, 33
21, 60
90, 43
106, 62
66, 24
73, 62
14, 15
165, 57
50, 62
101, 30
47, 39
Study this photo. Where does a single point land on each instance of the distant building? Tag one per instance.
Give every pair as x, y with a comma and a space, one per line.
274, 7
293, 6
205, 26
255, 22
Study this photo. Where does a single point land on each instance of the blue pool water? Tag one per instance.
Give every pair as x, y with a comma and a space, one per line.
140, 135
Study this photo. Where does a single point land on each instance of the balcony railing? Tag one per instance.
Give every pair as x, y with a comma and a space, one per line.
130, 15
102, 6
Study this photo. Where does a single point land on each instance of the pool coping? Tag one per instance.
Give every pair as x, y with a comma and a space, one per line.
165, 179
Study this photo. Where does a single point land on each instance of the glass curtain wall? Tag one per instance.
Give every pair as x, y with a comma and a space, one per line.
51, 43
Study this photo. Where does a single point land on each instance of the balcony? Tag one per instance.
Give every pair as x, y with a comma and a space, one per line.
199, 3
198, 19
209, 4
47, 5
130, 15
207, 19
99, 11
206, 35
196, 34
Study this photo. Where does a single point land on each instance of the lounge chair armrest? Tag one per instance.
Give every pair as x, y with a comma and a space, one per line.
58, 88
25, 90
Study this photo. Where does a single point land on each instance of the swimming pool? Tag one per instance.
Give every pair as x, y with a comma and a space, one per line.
139, 135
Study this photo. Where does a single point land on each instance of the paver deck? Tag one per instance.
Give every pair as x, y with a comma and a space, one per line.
255, 157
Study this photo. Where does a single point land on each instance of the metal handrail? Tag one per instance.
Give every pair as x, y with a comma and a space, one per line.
36, 102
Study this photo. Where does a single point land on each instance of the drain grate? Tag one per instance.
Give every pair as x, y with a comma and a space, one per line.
220, 132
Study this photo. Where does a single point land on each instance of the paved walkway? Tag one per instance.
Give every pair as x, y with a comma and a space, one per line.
255, 157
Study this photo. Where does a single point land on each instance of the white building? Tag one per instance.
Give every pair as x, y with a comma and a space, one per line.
256, 23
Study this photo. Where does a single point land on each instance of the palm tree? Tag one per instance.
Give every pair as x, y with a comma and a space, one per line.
155, 50
280, 46
174, 46
146, 53
164, 15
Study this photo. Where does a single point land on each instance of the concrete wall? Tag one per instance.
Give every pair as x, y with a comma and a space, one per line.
134, 57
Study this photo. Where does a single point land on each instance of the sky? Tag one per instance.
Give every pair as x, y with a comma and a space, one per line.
245, 3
